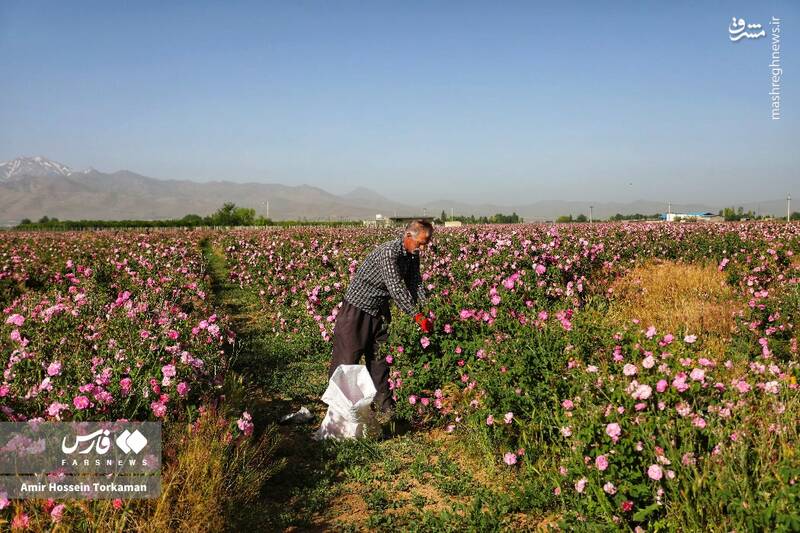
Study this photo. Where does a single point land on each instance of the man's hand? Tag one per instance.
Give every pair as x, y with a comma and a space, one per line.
424, 323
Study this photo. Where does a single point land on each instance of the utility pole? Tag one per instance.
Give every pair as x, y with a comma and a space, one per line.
788, 207
590, 214
267, 202
451, 212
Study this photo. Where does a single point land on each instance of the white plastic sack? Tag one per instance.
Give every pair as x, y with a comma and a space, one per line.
349, 395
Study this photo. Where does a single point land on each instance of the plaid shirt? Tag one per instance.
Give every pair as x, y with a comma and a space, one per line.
389, 271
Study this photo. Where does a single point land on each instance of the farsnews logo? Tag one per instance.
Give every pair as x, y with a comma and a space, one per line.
100, 442
737, 28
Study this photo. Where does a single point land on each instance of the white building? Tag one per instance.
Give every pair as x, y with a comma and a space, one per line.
379, 222
705, 217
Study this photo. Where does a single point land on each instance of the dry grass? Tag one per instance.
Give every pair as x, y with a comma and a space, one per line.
191, 496
677, 297
208, 478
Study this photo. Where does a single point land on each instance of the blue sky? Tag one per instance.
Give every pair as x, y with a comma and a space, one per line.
473, 101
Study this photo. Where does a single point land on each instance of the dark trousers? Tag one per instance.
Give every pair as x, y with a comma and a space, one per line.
357, 332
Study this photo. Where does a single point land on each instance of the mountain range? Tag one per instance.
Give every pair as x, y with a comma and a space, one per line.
32, 187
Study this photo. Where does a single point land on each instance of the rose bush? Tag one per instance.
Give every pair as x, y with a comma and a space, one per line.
524, 355
106, 325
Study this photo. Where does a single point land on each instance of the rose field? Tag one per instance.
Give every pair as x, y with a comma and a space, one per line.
612, 376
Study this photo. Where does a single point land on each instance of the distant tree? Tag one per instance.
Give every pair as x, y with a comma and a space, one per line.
192, 220
224, 215
44, 220
244, 216
581, 218
443, 216
729, 214
564, 218
25, 221
636, 216
795, 216
230, 215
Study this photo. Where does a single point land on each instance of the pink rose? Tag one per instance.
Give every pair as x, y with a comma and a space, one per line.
613, 430
698, 374
15, 319
642, 392
168, 371
741, 385
680, 382
81, 402
55, 408
245, 423
654, 472
57, 512
159, 409
54, 369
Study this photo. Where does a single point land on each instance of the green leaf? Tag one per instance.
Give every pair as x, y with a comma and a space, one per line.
642, 514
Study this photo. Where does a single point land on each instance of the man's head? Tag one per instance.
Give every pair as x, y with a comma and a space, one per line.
417, 234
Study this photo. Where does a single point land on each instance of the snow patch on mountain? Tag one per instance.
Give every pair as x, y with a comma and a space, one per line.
33, 166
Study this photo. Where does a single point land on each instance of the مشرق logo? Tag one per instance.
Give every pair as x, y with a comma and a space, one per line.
737, 28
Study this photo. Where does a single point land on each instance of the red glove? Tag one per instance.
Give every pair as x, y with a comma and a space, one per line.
424, 323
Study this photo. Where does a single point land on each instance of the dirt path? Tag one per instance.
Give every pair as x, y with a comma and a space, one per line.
421, 480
